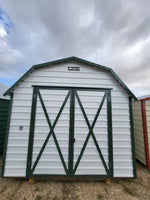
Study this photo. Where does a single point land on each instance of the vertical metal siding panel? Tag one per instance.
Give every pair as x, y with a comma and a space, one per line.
138, 131
147, 132
59, 75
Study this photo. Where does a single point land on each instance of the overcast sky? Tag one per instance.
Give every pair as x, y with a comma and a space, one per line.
114, 33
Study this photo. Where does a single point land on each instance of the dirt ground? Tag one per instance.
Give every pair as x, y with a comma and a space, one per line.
118, 189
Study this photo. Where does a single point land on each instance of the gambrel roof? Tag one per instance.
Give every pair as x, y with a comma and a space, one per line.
66, 60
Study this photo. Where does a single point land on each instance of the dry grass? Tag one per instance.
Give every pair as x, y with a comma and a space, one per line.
119, 189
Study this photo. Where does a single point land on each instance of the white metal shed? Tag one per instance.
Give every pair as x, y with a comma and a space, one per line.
70, 118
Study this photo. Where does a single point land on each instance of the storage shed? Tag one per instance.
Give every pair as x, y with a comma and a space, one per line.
141, 119
70, 118
4, 106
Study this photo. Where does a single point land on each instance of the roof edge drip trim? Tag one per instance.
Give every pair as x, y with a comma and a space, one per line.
73, 58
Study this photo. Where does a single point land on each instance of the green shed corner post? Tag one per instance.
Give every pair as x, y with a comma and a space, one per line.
110, 134
31, 133
4, 108
6, 137
132, 138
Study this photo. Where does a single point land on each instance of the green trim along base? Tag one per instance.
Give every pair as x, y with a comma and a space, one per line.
76, 176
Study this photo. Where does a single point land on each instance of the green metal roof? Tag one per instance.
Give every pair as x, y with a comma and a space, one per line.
73, 58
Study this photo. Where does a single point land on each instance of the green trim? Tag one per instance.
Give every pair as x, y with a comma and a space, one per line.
7, 134
31, 133
91, 133
72, 177
66, 60
71, 133
51, 132
132, 138
4, 108
1, 99
100, 154
52, 127
47, 87
70, 172
110, 139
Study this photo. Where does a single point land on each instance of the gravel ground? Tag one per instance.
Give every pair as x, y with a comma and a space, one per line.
118, 189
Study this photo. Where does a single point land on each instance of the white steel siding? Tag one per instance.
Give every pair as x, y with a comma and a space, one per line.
91, 162
50, 162
58, 75
138, 131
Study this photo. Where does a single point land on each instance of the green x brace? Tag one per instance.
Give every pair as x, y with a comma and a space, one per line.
51, 132
90, 133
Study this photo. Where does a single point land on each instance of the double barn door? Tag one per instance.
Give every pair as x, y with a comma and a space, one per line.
70, 132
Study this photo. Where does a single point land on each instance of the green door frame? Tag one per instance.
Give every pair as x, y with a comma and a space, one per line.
72, 93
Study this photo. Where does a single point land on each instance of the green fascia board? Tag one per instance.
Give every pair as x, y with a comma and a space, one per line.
73, 58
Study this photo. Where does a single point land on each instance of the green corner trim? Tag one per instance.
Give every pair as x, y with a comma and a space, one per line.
132, 138
110, 139
71, 133
73, 58
31, 133
6, 137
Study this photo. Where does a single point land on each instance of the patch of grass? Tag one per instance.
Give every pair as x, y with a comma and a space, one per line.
37, 189
75, 197
3, 189
24, 198
129, 191
15, 191
38, 197
128, 180
100, 197
66, 190
117, 181
55, 198
105, 189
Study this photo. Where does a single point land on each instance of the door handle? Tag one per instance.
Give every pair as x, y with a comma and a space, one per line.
74, 140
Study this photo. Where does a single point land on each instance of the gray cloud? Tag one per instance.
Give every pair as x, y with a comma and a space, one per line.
112, 33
